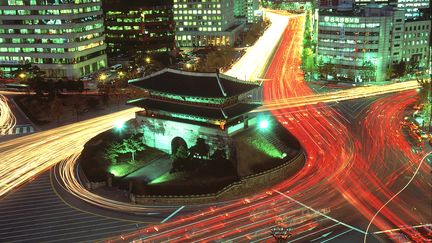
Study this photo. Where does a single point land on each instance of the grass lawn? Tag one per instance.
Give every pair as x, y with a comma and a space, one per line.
257, 152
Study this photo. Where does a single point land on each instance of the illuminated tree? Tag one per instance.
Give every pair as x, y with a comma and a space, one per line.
128, 145
308, 61
425, 98
112, 153
307, 35
132, 145
424, 91
368, 70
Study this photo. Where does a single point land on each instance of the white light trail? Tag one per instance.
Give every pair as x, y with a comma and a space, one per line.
7, 118
347, 94
395, 195
254, 62
25, 157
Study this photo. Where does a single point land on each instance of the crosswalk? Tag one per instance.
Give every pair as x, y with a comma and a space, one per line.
18, 129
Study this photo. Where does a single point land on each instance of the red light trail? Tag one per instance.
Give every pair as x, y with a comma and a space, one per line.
346, 180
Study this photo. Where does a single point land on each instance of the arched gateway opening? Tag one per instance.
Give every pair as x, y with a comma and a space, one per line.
176, 143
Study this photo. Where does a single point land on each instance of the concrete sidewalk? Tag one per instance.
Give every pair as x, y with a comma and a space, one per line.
153, 170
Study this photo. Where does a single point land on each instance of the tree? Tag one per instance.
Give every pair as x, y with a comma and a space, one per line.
131, 145
56, 108
92, 103
307, 58
201, 148
424, 91
399, 69
327, 69
112, 153
221, 58
351, 75
368, 70
181, 153
77, 105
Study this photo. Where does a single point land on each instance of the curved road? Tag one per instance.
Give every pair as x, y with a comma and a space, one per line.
355, 165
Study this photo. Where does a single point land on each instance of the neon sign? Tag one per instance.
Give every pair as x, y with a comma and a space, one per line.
341, 19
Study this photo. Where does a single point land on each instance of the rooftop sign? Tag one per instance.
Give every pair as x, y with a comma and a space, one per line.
341, 19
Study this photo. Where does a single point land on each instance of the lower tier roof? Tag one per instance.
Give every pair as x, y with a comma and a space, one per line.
217, 113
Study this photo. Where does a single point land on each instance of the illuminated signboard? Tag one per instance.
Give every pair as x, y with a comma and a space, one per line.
341, 19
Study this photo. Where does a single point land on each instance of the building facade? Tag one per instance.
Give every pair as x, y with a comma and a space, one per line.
414, 9
246, 9
363, 43
358, 44
64, 38
138, 26
202, 23
416, 44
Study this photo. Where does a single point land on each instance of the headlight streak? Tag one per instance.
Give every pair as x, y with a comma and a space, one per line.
25, 157
7, 118
70, 183
348, 94
252, 64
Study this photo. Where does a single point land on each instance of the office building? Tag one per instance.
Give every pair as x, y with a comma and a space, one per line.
63, 38
138, 26
358, 42
363, 43
246, 9
205, 22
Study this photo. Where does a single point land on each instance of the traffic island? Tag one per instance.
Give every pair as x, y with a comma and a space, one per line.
196, 136
265, 157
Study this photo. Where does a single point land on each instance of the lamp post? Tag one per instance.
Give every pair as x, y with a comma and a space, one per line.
22, 76
280, 233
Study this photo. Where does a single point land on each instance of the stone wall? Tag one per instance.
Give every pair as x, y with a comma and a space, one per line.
159, 134
246, 186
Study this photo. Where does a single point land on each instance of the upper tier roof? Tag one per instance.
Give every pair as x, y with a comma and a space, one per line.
210, 85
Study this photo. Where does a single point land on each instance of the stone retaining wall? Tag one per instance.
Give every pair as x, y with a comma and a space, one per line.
246, 186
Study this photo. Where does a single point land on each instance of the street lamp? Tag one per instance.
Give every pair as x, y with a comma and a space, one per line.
147, 60
102, 77
119, 125
263, 124
22, 75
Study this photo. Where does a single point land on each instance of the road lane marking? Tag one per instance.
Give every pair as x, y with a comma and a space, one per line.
334, 237
171, 215
400, 228
304, 236
318, 212
322, 236
395, 195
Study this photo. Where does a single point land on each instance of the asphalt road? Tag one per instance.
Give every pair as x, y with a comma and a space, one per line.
360, 171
